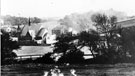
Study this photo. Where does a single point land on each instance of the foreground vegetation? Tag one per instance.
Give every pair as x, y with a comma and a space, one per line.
81, 70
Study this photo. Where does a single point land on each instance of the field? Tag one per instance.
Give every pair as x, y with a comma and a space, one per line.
81, 70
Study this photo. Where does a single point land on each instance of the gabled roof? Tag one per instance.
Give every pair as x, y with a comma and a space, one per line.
42, 32
25, 29
35, 27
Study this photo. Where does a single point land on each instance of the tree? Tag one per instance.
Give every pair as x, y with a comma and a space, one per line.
111, 42
13, 20
70, 45
35, 20
7, 47
89, 39
72, 57
65, 43
77, 22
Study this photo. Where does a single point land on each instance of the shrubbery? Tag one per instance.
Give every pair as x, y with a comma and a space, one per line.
7, 47
47, 59
73, 57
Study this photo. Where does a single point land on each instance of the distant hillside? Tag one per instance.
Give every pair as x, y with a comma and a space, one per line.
50, 19
15, 20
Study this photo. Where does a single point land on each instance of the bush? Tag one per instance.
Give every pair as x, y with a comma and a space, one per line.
8, 61
98, 60
73, 57
26, 61
7, 47
45, 59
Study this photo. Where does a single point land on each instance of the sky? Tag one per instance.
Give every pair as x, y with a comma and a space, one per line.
60, 8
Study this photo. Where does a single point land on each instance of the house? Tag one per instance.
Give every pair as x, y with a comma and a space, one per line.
62, 29
32, 30
1, 22
36, 32
72, 30
8, 29
58, 30
50, 39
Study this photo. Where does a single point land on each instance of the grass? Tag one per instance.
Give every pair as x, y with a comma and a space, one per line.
82, 70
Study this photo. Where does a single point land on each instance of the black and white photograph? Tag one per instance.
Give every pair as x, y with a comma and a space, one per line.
67, 37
